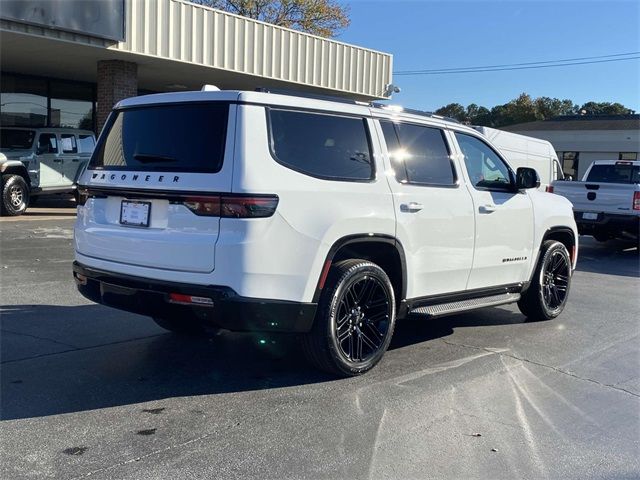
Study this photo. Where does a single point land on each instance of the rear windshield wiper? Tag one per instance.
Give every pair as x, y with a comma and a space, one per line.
149, 158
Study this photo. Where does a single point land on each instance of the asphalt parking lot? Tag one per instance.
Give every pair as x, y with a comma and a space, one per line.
91, 391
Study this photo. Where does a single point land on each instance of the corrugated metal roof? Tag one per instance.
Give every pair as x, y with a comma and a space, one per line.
580, 122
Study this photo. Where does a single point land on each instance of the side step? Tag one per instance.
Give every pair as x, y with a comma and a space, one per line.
464, 305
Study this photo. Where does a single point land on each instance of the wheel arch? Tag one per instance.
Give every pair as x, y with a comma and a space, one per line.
16, 168
384, 250
564, 235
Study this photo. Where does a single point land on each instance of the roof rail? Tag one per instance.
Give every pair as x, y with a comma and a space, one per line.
421, 113
315, 96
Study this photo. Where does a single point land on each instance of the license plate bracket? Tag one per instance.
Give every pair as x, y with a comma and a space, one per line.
134, 213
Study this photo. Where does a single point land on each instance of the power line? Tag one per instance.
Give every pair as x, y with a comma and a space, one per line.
521, 66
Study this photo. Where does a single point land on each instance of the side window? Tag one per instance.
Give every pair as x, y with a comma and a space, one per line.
321, 145
419, 154
47, 143
68, 143
86, 143
485, 168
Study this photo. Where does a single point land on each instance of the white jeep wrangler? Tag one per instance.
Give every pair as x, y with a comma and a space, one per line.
39, 161
257, 211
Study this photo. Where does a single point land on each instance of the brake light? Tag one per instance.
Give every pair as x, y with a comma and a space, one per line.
636, 200
549, 189
233, 206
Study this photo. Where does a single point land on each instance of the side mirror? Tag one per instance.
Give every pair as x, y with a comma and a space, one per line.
527, 178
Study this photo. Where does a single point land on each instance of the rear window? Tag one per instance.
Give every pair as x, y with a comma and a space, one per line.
86, 143
618, 173
16, 139
320, 145
169, 138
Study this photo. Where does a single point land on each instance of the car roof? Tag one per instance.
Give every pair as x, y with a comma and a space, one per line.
337, 106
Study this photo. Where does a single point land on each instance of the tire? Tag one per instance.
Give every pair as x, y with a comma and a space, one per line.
15, 195
182, 326
548, 292
355, 319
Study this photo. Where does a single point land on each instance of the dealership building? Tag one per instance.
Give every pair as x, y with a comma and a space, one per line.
67, 62
581, 139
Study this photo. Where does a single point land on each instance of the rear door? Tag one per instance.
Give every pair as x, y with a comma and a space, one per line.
434, 212
152, 186
51, 164
70, 157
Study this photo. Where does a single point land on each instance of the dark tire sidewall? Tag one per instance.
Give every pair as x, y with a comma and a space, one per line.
9, 181
552, 313
353, 275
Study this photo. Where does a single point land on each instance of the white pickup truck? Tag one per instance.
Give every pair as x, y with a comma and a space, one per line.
606, 203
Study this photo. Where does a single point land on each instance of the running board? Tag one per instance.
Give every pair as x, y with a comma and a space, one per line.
464, 305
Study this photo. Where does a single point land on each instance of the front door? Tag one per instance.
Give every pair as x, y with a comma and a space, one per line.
504, 217
51, 164
70, 157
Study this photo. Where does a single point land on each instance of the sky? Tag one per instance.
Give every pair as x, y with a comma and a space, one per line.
434, 34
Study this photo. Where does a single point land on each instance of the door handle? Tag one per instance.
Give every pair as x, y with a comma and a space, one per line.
75, 159
411, 207
488, 208
57, 160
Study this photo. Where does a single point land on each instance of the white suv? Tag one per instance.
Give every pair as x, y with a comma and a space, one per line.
257, 211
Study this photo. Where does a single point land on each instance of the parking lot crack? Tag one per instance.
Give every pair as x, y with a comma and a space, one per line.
150, 454
504, 353
46, 339
73, 349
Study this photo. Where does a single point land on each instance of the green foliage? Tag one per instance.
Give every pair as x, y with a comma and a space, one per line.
526, 109
319, 17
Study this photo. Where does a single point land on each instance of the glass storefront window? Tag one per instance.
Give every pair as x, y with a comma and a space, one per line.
71, 105
39, 102
23, 102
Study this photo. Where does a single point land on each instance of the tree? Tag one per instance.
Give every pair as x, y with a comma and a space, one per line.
319, 17
552, 107
605, 108
453, 110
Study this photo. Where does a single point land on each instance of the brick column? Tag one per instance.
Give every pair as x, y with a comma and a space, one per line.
117, 80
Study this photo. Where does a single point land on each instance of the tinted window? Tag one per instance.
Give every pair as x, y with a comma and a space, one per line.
325, 146
16, 139
486, 169
47, 143
419, 154
86, 143
618, 173
68, 143
169, 138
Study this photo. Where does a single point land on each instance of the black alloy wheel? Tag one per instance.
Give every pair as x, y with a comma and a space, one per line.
555, 280
547, 294
363, 319
355, 319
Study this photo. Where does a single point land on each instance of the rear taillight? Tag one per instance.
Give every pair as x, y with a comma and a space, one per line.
636, 200
549, 189
232, 206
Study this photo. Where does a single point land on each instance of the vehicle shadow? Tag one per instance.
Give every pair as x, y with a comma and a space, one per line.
614, 257
58, 359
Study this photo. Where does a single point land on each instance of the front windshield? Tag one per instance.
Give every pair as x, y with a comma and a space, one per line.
16, 139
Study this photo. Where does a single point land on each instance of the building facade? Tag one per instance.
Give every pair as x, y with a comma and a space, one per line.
581, 139
66, 63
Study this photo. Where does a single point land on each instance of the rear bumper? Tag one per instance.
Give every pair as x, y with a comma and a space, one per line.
230, 311
608, 223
